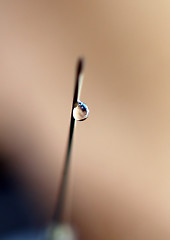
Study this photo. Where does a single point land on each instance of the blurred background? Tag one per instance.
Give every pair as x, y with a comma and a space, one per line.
119, 184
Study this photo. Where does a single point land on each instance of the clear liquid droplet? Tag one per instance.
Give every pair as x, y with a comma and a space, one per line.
80, 111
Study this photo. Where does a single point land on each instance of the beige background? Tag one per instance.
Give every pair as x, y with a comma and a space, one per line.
120, 181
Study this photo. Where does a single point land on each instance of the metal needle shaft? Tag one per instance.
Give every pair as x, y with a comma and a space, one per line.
64, 177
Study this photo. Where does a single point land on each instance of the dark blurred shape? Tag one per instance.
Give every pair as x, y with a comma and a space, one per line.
16, 214
30, 235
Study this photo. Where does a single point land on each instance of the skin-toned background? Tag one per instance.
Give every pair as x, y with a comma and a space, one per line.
120, 181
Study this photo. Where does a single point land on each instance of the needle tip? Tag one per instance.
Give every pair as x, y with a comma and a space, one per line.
80, 65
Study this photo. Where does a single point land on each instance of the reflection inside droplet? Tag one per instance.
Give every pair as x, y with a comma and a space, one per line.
80, 111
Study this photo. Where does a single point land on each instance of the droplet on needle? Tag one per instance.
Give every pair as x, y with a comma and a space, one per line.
80, 111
